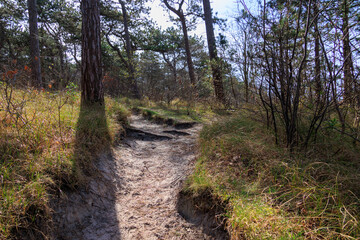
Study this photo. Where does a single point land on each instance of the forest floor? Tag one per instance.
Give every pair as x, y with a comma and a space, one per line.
135, 193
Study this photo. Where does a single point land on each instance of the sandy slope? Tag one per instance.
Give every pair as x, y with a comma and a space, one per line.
136, 193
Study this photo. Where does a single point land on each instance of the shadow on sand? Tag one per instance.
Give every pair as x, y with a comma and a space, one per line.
88, 211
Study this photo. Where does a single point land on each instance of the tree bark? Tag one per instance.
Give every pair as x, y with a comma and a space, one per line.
91, 70
216, 70
129, 53
34, 45
181, 16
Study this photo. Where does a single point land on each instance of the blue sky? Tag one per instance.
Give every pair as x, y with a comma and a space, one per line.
225, 9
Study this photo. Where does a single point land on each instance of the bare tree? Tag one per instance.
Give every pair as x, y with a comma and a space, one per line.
284, 66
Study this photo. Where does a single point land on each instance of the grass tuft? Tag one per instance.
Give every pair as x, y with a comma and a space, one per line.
312, 194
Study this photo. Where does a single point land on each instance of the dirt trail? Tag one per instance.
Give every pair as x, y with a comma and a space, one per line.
135, 197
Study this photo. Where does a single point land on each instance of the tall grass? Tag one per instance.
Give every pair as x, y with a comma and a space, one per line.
270, 194
40, 145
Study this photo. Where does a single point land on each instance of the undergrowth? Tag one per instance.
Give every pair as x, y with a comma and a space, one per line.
270, 194
47, 143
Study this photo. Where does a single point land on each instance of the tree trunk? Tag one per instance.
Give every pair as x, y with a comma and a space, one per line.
348, 80
11, 51
187, 49
91, 71
233, 91
245, 68
181, 16
61, 64
172, 67
132, 80
318, 85
216, 70
34, 45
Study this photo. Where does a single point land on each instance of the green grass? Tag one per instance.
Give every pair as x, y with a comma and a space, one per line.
270, 195
176, 114
47, 142
177, 111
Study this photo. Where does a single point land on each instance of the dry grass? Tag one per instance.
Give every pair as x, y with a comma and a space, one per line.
43, 147
270, 195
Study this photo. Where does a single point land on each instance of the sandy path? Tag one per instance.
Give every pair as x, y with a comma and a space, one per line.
135, 197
